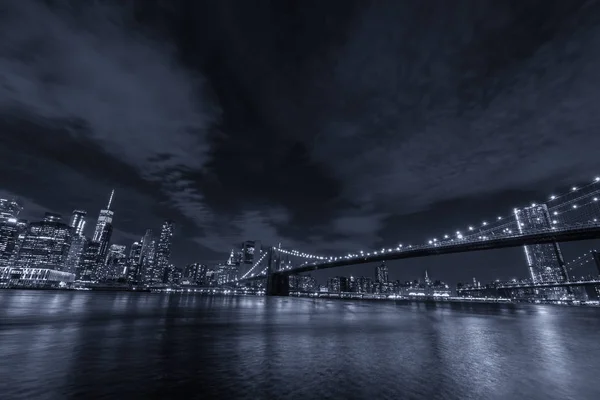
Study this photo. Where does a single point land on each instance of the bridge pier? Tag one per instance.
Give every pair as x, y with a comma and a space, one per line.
278, 285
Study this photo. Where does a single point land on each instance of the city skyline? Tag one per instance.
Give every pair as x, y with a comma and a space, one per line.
195, 137
161, 243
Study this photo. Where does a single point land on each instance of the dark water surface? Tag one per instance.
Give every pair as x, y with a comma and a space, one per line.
63, 345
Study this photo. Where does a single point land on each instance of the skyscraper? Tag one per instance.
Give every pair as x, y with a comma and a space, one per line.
9, 229
381, 273
163, 250
195, 274
8, 240
134, 262
78, 221
545, 261
116, 262
9, 209
78, 242
147, 271
89, 261
46, 244
73, 261
103, 230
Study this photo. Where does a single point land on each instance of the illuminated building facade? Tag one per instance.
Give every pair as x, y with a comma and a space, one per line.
46, 244
34, 277
9, 209
78, 222
163, 251
226, 273
73, 261
195, 274
9, 233
544, 261
134, 262
381, 273
103, 231
89, 261
116, 263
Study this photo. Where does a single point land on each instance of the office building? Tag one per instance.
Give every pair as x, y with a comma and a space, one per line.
103, 230
545, 261
46, 244
381, 273
134, 262
78, 222
338, 284
9, 233
116, 262
195, 274
90, 262
9, 209
149, 273
163, 251
73, 261
226, 273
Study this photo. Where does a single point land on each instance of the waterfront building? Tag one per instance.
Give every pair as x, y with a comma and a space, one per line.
9, 233
75, 255
14, 277
46, 244
381, 273
116, 263
134, 262
148, 272
226, 273
163, 252
89, 261
338, 284
302, 283
195, 274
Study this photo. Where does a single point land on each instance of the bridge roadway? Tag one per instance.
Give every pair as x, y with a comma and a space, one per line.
570, 234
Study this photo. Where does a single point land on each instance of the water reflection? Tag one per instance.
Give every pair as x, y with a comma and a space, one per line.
136, 345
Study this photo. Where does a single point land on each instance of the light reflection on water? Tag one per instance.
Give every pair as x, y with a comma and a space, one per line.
56, 345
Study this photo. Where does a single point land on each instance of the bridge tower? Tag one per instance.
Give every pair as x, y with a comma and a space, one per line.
278, 283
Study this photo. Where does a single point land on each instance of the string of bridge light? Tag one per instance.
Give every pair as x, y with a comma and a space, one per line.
584, 259
489, 227
471, 230
255, 265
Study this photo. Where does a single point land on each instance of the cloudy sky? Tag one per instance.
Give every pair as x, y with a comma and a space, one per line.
326, 126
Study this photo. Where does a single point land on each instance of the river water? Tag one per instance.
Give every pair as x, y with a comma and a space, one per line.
74, 345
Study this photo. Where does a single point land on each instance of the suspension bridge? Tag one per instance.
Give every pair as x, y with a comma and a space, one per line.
571, 216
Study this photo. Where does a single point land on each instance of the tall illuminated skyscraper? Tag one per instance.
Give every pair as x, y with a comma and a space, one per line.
103, 230
116, 262
545, 261
78, 242
105, 217
134, 262
78, 221
163, 250
381, 273
147, 271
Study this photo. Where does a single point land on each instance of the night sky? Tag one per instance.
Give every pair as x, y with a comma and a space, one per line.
328, 126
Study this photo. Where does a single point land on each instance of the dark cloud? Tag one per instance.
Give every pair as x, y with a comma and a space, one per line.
327, 126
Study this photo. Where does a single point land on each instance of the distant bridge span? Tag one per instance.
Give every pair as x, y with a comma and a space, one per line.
580, 232
584, 232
